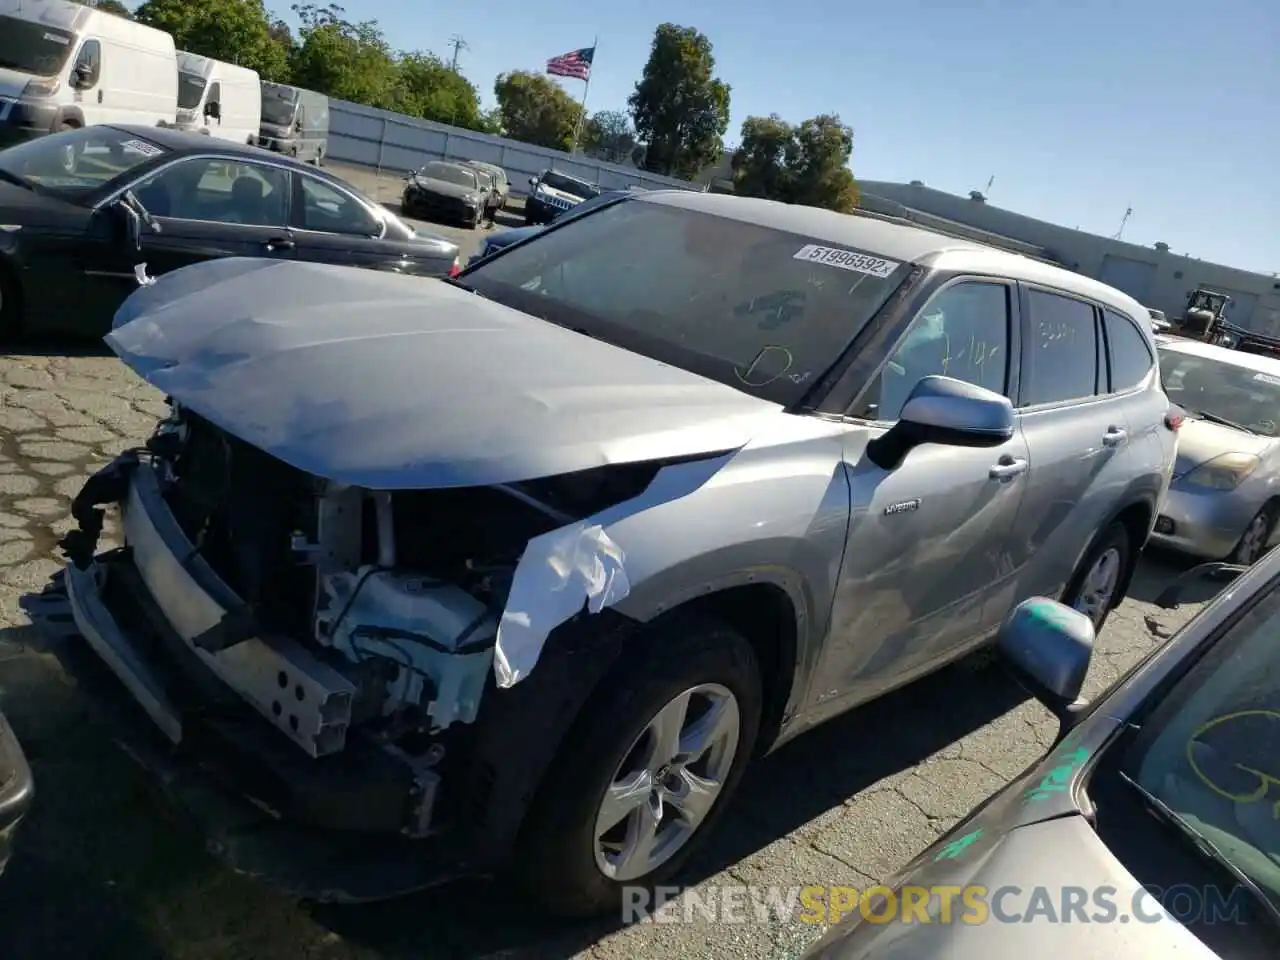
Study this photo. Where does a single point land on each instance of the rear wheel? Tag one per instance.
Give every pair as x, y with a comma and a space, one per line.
647, 769
1095, 588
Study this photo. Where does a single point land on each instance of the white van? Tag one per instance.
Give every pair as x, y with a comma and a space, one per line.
65, 65
220, 99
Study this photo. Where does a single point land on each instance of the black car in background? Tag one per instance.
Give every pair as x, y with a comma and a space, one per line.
82, 210
505, 238
551, 193
443, 190
1150, 830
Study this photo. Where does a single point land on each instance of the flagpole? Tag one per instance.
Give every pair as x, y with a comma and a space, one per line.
582, 119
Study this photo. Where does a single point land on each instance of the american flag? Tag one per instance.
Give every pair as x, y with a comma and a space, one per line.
576, 64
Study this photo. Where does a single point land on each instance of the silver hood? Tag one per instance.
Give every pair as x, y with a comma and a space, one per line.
1199, 441
395, 382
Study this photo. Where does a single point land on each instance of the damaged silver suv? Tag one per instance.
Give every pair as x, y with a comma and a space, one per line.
429, 578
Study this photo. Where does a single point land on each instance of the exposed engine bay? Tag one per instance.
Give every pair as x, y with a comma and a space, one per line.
374, 610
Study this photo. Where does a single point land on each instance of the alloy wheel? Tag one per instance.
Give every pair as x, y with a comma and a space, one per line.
1099, 586
1253, 541
668, 782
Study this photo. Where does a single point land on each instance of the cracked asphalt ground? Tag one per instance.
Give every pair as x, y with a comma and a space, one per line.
103, 870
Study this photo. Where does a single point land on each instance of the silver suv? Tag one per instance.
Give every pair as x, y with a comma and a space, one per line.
524, 567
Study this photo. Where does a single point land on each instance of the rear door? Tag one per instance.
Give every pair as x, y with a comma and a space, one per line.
1133, 378
1078, 437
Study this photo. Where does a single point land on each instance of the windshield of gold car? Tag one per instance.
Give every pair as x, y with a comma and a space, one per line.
1223, 392
1211, 751
762, 310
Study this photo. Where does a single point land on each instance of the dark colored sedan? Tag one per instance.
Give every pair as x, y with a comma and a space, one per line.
81, 210
1151, 829
441, 190
505, 238
16, 789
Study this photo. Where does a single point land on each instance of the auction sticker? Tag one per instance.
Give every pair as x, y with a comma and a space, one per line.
142, 147
846, 260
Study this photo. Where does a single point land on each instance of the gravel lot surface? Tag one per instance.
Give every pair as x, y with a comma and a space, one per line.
101, 869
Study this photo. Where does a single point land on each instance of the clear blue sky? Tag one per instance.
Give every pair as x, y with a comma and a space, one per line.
1078, 109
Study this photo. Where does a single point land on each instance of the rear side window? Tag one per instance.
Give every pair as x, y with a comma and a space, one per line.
1062, 351
1127, 349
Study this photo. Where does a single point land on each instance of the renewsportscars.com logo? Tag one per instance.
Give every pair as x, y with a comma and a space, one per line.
970, 905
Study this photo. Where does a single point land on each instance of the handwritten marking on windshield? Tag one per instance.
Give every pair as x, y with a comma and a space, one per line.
754, 376
1265, 781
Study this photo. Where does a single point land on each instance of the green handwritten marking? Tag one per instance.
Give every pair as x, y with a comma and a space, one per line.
1057, 779
958, 846
1050, 613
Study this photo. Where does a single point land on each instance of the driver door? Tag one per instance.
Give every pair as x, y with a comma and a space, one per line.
927, 540
206, 208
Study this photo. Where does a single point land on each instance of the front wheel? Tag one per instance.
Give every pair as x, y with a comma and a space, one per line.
1095, 588
1253, 543
646, 770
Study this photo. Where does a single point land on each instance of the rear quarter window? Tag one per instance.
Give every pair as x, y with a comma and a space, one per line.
1129, 356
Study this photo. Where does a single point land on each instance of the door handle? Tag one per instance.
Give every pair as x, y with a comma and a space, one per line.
99, 96
1115, 436
1006, 468
279, 243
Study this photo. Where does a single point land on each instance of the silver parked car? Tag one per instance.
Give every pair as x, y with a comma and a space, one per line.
533, 561
1225, 497
499, 176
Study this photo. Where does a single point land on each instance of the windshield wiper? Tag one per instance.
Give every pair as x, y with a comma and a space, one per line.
1206, 848
1214, 418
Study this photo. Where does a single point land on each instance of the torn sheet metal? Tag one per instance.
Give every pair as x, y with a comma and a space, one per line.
579, 565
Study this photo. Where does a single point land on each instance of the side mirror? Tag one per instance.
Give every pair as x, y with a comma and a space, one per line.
533, 181
213, 110
948, 411
132, 224
1048, 646
82, 76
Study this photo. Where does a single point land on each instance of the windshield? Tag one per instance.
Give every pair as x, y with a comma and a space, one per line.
1221, 391
558, 181
729, 300
78, 162
1209, 752
279, 104
190, 90
33, 47
449, 174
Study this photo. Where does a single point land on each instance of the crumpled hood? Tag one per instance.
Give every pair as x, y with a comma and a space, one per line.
1199, 441
444, 188
397, 382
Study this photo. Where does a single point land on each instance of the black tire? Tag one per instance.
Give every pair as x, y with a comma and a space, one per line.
1115, 536
1244, 552
555, 858
10, 306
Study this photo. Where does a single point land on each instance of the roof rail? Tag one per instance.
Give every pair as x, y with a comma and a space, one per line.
953, 234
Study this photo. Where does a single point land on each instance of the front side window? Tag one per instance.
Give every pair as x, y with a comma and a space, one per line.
88, 64
1210, 752
331, 211
75, 163
759, 309
1232, 395
1127, 349
1062, 355
963, 332
34, 48
190, 90
218, 191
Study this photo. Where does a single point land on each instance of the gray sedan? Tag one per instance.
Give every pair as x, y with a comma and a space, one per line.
1152, 828
1225, 496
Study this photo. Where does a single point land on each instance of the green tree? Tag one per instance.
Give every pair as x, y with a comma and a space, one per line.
431, 89
607, 134
806, 164
680, 109
108, 6
349, 61
535, 109
236, 31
